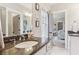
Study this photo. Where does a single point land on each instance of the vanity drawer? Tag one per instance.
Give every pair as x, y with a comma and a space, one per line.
74, 46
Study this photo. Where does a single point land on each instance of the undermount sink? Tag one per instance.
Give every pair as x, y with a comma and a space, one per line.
28, 44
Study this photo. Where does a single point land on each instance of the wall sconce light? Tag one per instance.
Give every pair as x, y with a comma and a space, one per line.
36, 23
37, 6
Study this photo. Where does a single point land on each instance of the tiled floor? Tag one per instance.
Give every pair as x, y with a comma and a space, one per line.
57, 51
53, 50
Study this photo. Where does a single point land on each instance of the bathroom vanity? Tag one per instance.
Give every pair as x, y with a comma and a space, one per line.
73, 43
12, 50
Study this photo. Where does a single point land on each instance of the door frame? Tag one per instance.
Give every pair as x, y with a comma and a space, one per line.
66, 34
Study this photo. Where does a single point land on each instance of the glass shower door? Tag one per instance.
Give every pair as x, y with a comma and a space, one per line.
44, 26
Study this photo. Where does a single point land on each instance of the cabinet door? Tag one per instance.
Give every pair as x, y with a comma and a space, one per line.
74, 45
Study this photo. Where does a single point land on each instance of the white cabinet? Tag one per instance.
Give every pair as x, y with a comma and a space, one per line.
74, 47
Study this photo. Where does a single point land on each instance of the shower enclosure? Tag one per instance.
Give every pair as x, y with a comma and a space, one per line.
44, 26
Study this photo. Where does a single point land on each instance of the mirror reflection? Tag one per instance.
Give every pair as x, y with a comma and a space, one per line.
14, 23
26, 24
3, 19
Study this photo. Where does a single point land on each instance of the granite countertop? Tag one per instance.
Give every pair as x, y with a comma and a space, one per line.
75, 34
11, 50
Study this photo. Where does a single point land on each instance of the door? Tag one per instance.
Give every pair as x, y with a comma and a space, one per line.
44, 26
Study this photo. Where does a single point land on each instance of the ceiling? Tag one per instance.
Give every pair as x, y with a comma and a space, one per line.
29, 5
26, 7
